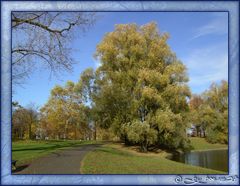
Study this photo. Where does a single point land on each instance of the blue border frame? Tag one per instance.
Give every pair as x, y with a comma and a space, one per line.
1, 93
117, 12
142, 11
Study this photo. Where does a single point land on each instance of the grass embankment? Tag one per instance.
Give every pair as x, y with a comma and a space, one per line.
26, 151
117, 159
200, 144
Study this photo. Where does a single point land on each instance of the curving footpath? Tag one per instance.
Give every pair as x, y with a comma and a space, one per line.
61, 162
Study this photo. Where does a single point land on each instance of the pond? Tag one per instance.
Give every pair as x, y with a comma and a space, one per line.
212, 159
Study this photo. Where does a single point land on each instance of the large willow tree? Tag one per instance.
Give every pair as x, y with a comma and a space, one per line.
142, 91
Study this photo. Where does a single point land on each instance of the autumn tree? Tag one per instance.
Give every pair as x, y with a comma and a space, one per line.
142, 91
215, 112
209, 113
87, 88
19, 126
64, 115
195, 105
24, 122
41, 39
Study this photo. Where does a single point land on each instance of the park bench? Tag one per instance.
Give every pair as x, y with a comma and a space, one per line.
14, 164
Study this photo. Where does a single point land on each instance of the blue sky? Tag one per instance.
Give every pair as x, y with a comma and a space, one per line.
199, 39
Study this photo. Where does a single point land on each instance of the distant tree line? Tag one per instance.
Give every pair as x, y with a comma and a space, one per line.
209, 113
24, 121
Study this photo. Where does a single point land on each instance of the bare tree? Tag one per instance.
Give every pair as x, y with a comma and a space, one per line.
41, 39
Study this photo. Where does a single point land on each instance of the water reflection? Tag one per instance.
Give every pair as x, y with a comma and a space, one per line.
213, 159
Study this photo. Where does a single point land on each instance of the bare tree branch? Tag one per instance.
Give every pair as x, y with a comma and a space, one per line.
44, 37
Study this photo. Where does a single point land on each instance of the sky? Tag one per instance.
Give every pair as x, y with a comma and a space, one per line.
199, 39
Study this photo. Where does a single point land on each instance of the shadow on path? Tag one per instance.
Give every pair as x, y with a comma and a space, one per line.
20, 168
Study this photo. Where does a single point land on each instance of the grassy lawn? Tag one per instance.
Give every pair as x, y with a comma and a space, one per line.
199, 144
114, 158
26, 151
109, 160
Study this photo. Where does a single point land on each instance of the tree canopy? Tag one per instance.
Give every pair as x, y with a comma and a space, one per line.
64, 115
24, 122
210, 112
140, 82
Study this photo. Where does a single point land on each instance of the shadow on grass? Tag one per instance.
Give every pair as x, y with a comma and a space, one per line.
49, 147
52, 147
20, 168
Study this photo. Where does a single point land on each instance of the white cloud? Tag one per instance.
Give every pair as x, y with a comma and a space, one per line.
207, 65
218, 25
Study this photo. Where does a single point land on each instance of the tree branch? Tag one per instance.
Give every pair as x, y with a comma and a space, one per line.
19, 21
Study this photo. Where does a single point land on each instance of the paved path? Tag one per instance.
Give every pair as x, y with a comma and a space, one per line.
61, 162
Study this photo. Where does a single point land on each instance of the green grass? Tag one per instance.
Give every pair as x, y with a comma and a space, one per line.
26, 151
199, 144
107, 160
111, 160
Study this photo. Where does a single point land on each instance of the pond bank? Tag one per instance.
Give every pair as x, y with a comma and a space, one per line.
203, 150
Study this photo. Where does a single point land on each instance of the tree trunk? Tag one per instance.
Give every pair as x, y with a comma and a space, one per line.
144, 147
125, 139
21, 133
95, 132
75, 133
197, 128
66, 131
30, 131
